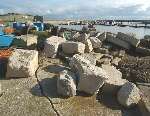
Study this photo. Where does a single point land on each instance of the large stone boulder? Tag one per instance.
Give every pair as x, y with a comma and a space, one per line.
101, 36
96, 43
131, 39
80, 37
66, 84
22, 63
51, 46
115, 81
121, 43
91, 77
128, 95
73, 47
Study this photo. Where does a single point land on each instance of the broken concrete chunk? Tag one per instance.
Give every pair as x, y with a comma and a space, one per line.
143, 51
96, 43
73, 47
114, 81
22, 63
101, 61
131, 39
128, 95
80, 37
51, 46
66, 84
91, 78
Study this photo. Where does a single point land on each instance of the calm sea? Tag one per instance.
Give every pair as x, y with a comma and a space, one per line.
140, 32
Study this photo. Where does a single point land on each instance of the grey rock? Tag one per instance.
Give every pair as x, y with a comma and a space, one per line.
73, 47
66, 84
96, 43
128, 95
51, 46
131, 39
114, 81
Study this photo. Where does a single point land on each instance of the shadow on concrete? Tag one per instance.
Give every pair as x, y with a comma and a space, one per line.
48, 87
54, 68
110, 100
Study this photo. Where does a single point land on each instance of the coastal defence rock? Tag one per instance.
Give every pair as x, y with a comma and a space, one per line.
22, 63
96, 43
131, 39
112, 39
114, 81
66, 84
128, 95
101, 36
73, 47
51, 46
91, 77
143, 51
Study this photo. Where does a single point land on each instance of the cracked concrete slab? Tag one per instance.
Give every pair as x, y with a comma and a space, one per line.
20, 99
79, 105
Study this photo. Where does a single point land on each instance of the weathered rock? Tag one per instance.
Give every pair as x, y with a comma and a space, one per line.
131, 39
76, 62
143, 51
112, 39
51, 46
90, 57
101, 36
128, 95
115, 81
73, 47
22, 63
80, 37
96, 43
115, 61
91, 79
66, 84
88, 46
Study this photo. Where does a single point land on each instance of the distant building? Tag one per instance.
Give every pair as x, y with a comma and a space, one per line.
38, 18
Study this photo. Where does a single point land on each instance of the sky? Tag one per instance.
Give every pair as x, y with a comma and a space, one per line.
67, 9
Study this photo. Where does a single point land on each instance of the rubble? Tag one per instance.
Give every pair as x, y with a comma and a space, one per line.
101, 50
66, 84
101, 36
22, 63
91, 57
128, 95
143, 51
96, 43
114, 81
51, 46
131, 39
73, 47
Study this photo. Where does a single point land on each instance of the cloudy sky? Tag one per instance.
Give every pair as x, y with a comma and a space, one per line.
79, 8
